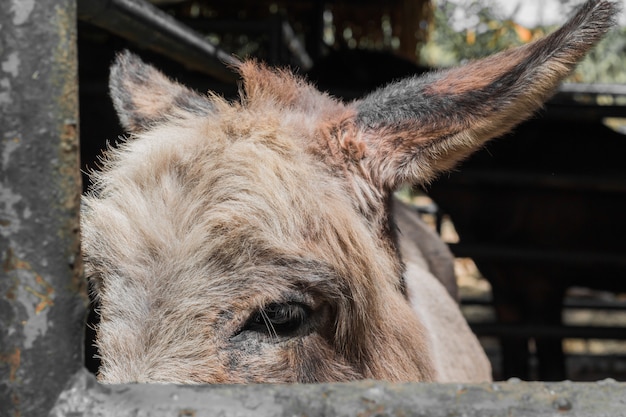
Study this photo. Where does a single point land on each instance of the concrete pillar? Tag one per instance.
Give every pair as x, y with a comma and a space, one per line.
42, 294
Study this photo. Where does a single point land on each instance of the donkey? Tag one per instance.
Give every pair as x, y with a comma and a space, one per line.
253, 241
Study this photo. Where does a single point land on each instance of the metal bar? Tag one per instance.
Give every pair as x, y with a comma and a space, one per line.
42, 296
569, 303
564, 108
296, 47
152, 28
594, 89
579, 183
545, 331
288, 37
514, 254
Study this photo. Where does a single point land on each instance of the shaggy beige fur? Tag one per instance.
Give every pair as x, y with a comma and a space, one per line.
252, 242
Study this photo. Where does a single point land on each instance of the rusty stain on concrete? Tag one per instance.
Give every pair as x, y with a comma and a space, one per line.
45, 294
13, 360
45, 297
12, 263
10, 293
33, 293
68, 150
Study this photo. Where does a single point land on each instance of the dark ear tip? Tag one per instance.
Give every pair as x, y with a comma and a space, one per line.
125, 62
126, 70
126, 57
601, 12
117, 67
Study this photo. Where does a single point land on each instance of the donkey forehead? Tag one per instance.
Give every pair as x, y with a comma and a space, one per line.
260, 166
229, 189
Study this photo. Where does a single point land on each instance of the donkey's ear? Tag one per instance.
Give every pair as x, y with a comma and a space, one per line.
143, 96
420, 126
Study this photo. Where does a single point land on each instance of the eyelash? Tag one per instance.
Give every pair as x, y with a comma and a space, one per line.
279, 319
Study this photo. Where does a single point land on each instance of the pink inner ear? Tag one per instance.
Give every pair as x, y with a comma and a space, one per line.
154, 97
478, 74
142, 95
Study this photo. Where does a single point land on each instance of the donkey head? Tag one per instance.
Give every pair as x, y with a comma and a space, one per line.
250, 241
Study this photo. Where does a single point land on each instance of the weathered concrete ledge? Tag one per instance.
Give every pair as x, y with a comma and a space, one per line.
85, 397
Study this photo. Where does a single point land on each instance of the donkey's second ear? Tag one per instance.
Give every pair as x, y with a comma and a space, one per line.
144, 97
421, 126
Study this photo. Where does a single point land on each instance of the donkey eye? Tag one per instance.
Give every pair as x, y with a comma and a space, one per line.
279, 319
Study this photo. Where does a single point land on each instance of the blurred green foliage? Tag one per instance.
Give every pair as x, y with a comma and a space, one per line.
477, 29
606, 63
